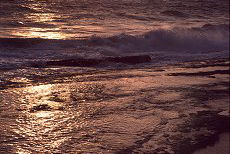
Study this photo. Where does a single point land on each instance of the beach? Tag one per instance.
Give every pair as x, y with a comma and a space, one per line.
114, 76
170, 109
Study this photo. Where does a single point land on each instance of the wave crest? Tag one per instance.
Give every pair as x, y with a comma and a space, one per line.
209, 38
209, 41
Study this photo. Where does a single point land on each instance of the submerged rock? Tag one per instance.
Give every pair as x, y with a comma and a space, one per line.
81, 62
130, 59
74, 62
41, 107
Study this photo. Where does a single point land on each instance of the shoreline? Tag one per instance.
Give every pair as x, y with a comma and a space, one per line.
98, 70
171, 109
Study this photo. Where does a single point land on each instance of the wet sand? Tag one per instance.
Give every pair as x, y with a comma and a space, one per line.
171, 110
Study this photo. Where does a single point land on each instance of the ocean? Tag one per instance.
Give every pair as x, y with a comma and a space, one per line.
169, 31
68, 82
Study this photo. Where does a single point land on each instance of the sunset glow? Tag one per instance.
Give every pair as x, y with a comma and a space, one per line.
114, 77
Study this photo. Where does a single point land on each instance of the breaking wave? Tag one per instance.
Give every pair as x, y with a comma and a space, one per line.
207, 41
208, 38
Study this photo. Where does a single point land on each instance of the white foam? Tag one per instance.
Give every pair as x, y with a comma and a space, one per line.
175, 45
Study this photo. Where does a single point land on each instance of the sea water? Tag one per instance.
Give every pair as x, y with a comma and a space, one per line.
169, 31
84, 108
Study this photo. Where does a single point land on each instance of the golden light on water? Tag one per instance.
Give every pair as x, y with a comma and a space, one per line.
38, 24
41, 17
40, 124
46, 121
38, 33
44, 20
41, 33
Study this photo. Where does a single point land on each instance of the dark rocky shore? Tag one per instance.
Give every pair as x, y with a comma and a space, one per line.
167, 110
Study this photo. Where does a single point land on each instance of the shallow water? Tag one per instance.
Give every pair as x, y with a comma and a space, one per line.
104, 104
116, 111
221, 147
